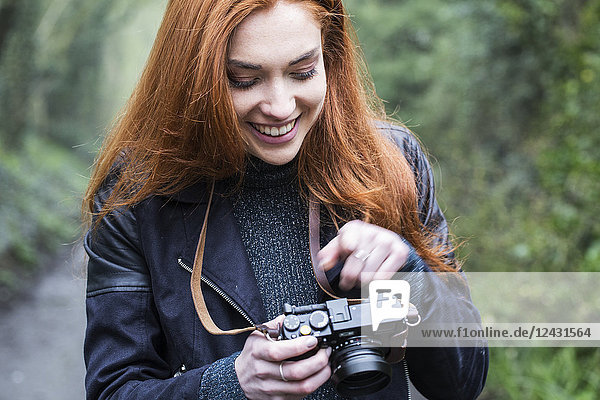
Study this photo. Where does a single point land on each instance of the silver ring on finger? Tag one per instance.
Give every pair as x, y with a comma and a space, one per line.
281, 372
362, 255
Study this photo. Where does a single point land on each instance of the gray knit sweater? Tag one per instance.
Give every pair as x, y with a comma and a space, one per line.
273, 220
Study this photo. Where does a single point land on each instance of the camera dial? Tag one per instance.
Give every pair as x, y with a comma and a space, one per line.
291, 322
319, 319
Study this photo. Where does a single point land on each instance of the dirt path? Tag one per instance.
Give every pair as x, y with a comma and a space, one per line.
41, 338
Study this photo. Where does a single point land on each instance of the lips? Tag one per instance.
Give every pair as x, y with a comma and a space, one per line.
274, 131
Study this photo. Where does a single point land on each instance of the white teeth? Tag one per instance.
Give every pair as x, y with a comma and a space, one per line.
274, 131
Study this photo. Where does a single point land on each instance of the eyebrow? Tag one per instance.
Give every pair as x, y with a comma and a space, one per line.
247, 65
244, 65
305, 56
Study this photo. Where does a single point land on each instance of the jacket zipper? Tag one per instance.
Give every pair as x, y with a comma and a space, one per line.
219, 291
407, 379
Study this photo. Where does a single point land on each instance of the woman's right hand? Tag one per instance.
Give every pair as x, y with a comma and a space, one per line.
259, 372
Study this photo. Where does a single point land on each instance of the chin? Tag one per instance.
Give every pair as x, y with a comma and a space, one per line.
276, 158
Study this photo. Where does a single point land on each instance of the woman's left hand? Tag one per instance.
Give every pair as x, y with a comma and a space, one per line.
371, 252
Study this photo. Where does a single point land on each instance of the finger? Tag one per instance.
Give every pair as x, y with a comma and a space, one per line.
353, 234
353, 267
349, 237
275, 322
387, 271
352, 225
304, 387
302, 369
284, 349
312, 383
329, 255
374, 262
397, 254
390, 266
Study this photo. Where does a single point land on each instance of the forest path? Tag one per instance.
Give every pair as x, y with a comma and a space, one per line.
41, 336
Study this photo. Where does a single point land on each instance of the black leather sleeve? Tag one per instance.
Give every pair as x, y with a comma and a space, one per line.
116, 263
125, 347
438, 372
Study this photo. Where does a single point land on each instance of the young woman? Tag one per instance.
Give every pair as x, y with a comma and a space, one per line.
253, 107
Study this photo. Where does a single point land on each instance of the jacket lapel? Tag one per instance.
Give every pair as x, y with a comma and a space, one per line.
225, 260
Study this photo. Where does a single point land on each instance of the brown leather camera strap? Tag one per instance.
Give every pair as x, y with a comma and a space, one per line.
196, 282
196, 287
314, 239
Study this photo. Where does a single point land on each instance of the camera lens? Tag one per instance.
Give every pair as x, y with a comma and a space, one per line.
359, 368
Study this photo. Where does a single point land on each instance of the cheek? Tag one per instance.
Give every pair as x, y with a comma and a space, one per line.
242, 103
315, 96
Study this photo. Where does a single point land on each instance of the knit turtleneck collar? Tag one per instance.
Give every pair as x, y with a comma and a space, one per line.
260, 174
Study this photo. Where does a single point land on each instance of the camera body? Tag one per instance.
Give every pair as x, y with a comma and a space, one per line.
358, 364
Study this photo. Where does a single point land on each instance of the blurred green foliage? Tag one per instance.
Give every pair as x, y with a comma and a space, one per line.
41, 190
53, 105
505, 94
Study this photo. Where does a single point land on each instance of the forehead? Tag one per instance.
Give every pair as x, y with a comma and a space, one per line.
275, 35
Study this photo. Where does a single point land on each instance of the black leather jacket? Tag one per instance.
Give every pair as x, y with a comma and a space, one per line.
142, 325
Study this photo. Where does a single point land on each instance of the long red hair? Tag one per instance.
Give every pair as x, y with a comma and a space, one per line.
179, 126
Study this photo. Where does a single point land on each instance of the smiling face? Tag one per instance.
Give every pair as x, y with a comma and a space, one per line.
277, 79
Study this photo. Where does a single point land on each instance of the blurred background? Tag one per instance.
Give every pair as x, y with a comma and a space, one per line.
504, 95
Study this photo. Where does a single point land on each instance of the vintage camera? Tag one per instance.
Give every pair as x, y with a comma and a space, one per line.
358, 357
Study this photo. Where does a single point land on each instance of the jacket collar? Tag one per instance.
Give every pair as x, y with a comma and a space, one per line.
198, 192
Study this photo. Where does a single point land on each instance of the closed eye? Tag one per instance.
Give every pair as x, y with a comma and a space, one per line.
305, 75
242, 83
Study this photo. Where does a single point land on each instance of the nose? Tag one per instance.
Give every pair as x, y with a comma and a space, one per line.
279, 101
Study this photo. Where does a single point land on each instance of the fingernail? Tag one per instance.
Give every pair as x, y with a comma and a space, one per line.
325, 266
345, 286
311, 342
324, 263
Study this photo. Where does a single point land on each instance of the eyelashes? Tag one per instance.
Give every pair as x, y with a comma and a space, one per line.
246, 84
241, 84
305, 75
